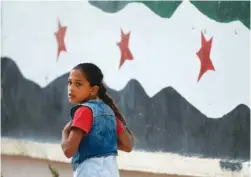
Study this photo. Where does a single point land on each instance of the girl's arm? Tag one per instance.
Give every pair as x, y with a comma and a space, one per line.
71, 137
73, 132
123, 140
124, 143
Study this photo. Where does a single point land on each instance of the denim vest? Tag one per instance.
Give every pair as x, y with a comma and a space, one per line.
102, 138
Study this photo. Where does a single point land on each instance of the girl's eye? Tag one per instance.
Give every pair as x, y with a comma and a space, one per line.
78, 84
69, 82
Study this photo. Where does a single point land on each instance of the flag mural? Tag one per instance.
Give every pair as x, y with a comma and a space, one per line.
178, 70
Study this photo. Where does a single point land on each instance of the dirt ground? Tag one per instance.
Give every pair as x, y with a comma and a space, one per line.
18, 166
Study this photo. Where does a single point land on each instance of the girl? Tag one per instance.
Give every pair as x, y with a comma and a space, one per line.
96, 132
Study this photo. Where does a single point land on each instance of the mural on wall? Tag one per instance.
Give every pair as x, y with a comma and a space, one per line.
181, 82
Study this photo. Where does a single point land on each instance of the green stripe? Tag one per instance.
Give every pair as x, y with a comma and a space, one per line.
225, 11
164, 9
220, 11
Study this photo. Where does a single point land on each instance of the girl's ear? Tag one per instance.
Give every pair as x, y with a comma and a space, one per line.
95, 90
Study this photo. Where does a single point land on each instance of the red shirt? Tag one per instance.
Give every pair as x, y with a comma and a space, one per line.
83, 119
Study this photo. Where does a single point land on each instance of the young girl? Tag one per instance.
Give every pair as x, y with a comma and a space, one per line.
97, 129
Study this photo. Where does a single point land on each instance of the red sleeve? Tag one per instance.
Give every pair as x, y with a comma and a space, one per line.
83, 119
120, 127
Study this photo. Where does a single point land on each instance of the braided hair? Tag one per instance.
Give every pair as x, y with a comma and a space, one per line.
95, 77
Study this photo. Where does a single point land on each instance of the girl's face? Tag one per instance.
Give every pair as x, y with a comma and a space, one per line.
79, 89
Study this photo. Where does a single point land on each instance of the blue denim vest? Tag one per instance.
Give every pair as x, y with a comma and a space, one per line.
102, 138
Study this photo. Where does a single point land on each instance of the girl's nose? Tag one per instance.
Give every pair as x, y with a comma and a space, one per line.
70, 89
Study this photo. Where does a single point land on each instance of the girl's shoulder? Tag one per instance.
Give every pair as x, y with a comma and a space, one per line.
78, 108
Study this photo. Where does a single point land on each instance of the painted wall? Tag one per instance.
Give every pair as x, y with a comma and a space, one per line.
179, 72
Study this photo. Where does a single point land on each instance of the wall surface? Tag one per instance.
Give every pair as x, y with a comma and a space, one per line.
178, 71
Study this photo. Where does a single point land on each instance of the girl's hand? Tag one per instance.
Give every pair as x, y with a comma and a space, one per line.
67, 127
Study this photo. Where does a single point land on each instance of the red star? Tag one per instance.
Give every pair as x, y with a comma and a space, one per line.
204, 56
124, 50
60, 35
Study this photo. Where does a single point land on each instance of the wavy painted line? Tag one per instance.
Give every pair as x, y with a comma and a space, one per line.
225, 11
164, 9
220, 11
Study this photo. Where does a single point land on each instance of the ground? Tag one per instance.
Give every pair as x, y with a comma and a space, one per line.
19, 166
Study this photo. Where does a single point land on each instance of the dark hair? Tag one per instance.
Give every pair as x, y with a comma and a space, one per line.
95, 77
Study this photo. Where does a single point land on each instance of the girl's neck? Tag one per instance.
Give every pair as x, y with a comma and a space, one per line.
91, 98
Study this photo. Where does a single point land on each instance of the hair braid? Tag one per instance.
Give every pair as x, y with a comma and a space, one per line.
109, 101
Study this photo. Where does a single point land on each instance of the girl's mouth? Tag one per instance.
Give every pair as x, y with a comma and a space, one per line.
71, 96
